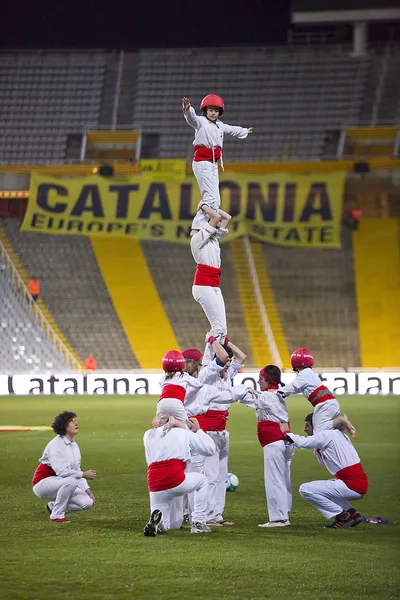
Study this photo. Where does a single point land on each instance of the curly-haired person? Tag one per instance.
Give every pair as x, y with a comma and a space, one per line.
59, 477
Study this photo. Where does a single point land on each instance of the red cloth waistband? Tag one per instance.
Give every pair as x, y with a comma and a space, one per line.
165, 474
203, 153
208, 276
320, 394
354, 477
213, 420
42, 472
268, 432
173, 391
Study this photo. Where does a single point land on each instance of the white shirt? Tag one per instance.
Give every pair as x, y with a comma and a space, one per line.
205, 246
176, 443
64, 457
183, 379
269, 406
332, 448
197, 402
210, 373
211, 133
305, 382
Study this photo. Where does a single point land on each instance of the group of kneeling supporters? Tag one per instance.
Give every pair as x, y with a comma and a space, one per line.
187, 447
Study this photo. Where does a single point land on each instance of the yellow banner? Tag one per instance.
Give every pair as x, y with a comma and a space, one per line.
280, 208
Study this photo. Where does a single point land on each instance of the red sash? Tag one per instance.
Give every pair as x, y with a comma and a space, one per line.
42, 472
203, 153
269, 432
213, 420
354, 477
170, 390
208, 276
320, 394
165, 474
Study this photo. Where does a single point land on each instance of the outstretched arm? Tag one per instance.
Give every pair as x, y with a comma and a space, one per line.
239, 132
190, 114
318, 440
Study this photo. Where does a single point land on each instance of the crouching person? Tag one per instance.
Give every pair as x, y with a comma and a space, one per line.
59, 477
168, 450
333, 497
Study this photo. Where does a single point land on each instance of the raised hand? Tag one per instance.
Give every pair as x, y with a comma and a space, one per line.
185, 103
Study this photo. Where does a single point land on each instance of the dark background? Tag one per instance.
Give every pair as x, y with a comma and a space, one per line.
144, 23
323, 5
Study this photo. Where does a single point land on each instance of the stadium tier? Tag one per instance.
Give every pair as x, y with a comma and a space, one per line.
295, 97
292, 96
44, 98
127, 302
26, 346
74, 292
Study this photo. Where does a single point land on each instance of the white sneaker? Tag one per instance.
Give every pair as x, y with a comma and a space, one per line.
276, 524
200, 528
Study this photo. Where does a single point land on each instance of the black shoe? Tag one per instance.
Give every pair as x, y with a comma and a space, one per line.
355, 515
341, 521
153, 526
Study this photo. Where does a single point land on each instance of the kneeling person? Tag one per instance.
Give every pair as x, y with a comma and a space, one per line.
331, 497
59, 477
168, 449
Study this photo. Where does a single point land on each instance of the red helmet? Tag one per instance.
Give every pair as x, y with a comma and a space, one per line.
192, 354
213, 100
173, 360
301, 358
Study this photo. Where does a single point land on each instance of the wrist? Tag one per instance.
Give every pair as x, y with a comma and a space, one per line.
211, 340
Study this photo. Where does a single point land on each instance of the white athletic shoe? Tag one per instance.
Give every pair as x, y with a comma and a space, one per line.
276, 524
200, 528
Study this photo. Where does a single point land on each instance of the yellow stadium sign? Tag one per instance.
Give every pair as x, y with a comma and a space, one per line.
163, 168
281, 208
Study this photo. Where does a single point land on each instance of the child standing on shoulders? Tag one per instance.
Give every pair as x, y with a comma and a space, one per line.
208, 142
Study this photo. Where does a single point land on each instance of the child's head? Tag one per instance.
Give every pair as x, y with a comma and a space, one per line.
212, 106
301, 359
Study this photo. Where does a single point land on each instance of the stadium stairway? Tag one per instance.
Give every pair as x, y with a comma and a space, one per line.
377, 276
269, 301
135, 298
74, 292
172, 269
315, 295
24, 276
252, 317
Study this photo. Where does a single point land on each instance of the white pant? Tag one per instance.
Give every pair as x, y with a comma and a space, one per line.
68, 494
166, 500
171, 407
278, 488
206, 173
330, 496
196, 465
212, 302
216, 471
323, 415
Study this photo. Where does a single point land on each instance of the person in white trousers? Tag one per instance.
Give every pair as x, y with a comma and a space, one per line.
205, 247
168, 450
198, 403
307, 382
220, 372
208, 142
59, 477
333, 497
271, 410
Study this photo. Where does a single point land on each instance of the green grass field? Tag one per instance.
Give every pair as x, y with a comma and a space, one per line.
102, 554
